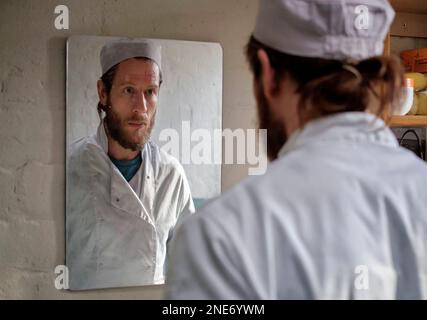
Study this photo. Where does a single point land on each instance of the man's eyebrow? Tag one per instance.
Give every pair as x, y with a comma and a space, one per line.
125, 83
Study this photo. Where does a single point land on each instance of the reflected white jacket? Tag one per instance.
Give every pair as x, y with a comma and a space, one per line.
116, 236
342, 214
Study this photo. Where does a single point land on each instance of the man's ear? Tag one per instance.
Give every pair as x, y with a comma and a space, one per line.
102, 92
267, 74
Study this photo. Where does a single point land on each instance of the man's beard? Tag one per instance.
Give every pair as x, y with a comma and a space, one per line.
115, 126
276, 130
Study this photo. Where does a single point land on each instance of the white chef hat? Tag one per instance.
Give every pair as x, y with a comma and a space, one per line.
329, 29
116, 51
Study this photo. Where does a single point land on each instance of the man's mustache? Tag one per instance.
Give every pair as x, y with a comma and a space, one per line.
143, 119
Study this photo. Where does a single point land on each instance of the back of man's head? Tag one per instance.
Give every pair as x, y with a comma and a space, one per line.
332, 50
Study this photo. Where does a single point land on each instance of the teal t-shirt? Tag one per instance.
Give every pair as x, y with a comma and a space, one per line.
128, 168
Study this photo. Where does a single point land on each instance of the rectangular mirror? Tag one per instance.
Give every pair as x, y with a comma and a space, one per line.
121, 212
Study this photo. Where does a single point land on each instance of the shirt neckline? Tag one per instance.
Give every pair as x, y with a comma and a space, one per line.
361, 127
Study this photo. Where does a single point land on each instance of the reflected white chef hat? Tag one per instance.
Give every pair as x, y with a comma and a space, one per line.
330, 29
116, 51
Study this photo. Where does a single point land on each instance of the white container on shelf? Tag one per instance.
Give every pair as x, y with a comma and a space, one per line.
406, 100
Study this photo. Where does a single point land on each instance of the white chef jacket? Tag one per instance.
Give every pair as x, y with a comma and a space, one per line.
117, 232
342, 214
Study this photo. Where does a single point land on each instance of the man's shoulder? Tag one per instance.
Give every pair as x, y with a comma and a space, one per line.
76, 149
85, 150
81, 144
241, 202
253, 200
163, 161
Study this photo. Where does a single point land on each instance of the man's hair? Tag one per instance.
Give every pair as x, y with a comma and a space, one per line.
329, 86
108, 78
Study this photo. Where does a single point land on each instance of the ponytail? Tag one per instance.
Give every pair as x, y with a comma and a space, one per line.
328, 87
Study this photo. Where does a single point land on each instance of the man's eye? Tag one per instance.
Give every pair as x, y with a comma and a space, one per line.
128, 90
150, 92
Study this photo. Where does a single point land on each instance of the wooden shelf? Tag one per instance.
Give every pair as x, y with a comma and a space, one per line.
409, 25
410, 6
410, 21
408, 121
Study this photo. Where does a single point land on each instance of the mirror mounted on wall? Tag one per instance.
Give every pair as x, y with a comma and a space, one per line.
130, 174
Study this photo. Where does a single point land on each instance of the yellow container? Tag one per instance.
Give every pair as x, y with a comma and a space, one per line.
422, 103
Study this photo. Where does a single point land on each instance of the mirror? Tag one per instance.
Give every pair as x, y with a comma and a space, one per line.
119, 222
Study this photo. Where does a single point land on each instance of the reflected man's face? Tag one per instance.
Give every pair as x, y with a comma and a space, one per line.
133, 100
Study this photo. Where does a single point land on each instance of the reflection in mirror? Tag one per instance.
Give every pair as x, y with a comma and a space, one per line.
136, 109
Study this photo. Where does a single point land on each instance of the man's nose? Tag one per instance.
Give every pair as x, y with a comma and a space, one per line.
140, 102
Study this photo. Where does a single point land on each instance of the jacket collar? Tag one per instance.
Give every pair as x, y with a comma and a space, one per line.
122, 196
345, 127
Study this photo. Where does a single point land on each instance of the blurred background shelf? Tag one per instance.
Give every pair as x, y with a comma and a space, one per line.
410, 6
410, 21
408, 31
408, 121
